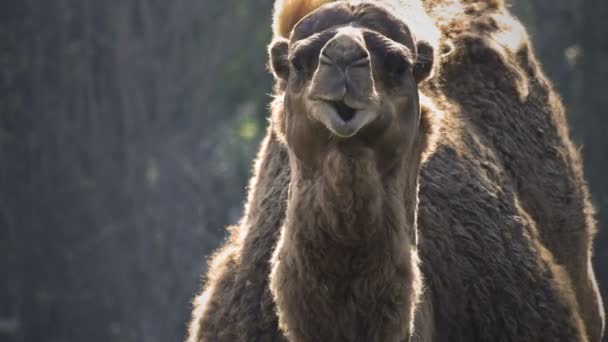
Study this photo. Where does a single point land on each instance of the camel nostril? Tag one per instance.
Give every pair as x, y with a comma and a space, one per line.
345, 112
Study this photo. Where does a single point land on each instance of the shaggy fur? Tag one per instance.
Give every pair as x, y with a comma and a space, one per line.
505, 224
525, 129
236, 304
359, 269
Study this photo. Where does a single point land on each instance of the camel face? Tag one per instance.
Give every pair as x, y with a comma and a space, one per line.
351, 72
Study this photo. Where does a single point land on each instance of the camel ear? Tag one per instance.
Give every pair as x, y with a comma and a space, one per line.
424, 61
279, 64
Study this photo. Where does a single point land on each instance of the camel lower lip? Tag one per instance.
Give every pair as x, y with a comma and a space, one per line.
341, 128
344, 132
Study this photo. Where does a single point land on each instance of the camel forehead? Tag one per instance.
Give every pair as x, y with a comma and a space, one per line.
287, 13
366, 14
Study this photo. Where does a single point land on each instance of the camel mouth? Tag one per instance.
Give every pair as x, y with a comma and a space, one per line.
345, 112
340, 118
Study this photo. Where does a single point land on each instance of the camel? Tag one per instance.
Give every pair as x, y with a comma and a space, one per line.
392, 208
355, 135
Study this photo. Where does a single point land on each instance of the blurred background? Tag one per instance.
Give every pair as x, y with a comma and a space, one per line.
127, 131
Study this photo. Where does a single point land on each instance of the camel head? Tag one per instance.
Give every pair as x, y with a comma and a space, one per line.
349, 75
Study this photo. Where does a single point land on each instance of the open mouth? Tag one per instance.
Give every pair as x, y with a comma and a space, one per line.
345, 112
341, 119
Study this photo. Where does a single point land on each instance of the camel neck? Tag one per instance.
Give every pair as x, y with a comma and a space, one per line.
347, 243
350, 206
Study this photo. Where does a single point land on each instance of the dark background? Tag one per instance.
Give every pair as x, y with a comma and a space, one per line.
127, 130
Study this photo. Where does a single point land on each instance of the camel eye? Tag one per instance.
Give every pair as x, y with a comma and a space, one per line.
303, 58
298, 63
392, 57
397, 64
304, 54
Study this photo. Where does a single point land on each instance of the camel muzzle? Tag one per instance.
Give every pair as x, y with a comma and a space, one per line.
342, 88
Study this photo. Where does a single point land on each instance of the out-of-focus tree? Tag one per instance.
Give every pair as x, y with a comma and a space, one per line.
126, 137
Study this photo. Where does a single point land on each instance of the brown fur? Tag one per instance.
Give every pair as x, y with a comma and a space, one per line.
289, 12
505, 223
525, 127
235, 304
356, 269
